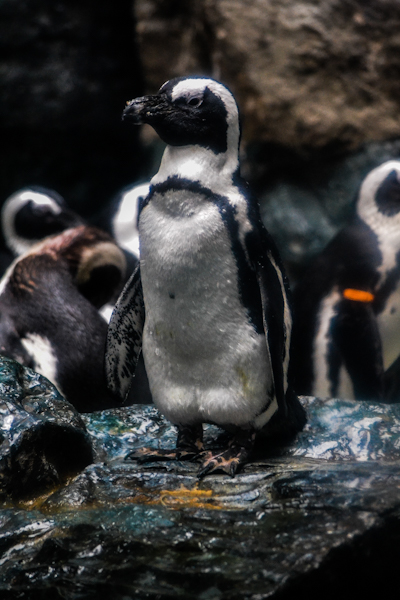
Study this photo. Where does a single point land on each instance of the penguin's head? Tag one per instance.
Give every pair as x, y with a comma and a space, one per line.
31, 214
97, 265
195, 111
379, 196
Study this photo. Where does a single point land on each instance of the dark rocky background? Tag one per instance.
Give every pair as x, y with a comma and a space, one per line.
66, 70
317, 84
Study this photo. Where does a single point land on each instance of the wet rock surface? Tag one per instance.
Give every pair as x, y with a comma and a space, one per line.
320, 516
42, 437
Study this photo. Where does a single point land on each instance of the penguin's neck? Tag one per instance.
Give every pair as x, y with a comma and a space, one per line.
214, 171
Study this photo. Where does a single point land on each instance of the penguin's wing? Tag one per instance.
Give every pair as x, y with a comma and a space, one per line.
276, 311
356, 336
124, 337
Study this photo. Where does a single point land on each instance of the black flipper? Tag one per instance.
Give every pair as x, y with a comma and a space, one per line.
124, 337
276, 312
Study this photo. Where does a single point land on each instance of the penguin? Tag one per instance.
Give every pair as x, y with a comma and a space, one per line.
31, 214
49, 319
121, 217
35, 213
346, 335
209, 302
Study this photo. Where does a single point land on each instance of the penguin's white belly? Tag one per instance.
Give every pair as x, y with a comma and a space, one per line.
323, 385
204, 360
389, 328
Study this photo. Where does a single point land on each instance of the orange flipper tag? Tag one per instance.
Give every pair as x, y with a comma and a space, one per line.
358, 295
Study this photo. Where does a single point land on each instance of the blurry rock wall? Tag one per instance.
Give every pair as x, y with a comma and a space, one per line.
318, 88
308, 75
317, 84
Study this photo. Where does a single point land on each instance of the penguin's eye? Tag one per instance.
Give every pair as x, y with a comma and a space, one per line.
195, 101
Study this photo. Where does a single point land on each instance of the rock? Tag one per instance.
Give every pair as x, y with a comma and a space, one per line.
42, 437
307, 75
316, 86
318, 517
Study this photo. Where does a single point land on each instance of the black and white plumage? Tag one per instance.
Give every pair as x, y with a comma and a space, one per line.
209, 303
119, 219
347, 308
32, 214
49, 319
122, 215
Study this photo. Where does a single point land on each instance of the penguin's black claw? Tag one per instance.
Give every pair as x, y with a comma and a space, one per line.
220, 463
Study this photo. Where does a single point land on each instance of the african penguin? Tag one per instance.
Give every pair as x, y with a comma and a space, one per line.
208, 304
49, 319
33, 213
346, 335
120, 217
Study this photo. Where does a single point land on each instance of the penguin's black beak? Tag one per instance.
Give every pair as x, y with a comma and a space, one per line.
145, 109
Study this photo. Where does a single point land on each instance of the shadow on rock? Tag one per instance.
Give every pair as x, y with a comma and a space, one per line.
43, 439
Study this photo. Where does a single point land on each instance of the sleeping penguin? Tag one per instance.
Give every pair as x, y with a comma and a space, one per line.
346, 336
28, 216
49, 319
208, 304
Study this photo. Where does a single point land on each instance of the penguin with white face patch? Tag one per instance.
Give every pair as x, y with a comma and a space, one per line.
346, 335
208, 304
35, 213
31, 214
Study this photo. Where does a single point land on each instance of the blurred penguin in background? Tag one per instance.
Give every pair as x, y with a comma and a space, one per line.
121, 218
28, 216
346, 337
49, 317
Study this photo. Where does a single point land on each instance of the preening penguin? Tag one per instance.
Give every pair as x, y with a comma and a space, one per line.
208, 304
49, 319
346, 335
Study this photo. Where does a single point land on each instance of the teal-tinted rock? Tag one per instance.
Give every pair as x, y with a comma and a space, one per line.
319, 517
42, 437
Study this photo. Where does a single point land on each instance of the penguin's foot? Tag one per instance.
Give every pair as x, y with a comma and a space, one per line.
189, 446
229, 461
144, 455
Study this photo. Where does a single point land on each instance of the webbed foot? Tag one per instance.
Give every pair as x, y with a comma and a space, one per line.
229, 461
143, 455
189, 446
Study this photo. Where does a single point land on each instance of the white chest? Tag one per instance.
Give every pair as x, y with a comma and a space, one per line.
204, 359
389, 328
